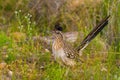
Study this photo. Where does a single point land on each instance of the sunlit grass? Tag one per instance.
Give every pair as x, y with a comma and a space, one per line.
28, 59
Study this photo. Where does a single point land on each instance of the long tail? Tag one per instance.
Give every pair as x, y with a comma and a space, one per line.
93, 34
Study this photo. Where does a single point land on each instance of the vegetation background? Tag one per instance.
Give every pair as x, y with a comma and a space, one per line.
23, 58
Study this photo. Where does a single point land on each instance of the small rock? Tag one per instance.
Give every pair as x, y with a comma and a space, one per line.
10, 73
46, 50
41, 67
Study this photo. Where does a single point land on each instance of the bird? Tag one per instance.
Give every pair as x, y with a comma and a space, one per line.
64, 53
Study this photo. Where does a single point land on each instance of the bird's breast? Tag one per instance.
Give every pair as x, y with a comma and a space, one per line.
57, 49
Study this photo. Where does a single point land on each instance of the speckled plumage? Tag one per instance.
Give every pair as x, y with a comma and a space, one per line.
62, 52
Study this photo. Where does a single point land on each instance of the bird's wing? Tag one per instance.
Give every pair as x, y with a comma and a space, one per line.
69, 51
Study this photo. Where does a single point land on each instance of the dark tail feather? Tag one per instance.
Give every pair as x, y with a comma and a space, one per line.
93, 33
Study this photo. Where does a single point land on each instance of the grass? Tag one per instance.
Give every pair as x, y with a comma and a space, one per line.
29, 60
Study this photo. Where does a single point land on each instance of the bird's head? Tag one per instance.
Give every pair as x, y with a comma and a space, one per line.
58, 35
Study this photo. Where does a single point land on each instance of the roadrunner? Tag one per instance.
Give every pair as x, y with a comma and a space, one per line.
64, 54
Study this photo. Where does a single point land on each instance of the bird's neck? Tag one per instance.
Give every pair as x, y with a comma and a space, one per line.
58, 43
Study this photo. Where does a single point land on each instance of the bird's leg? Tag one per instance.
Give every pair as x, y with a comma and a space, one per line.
67, 71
